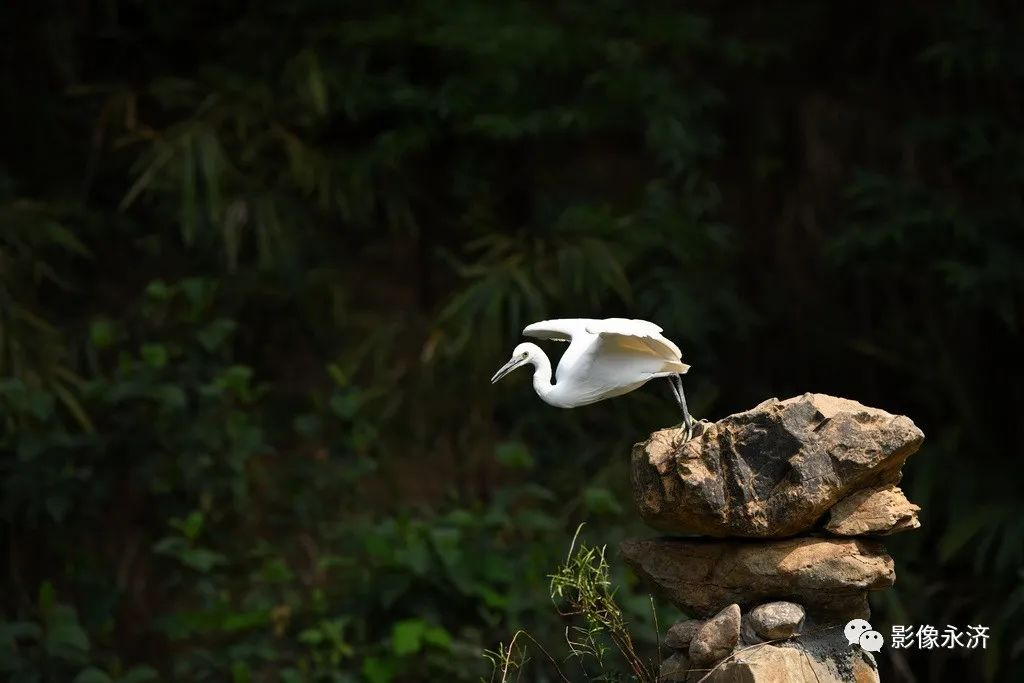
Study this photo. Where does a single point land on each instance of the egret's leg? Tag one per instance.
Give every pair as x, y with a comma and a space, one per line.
675, 390
677, 387
681, 400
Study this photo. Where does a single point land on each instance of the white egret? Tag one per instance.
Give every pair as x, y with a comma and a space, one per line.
605, 358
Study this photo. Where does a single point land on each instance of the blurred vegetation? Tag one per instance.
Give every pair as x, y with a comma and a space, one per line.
258, 260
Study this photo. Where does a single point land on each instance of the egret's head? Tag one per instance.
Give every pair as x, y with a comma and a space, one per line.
520, 357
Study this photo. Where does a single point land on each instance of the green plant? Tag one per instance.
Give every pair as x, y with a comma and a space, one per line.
582, 590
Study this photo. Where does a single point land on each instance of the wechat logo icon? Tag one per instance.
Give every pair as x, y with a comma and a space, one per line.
859, 632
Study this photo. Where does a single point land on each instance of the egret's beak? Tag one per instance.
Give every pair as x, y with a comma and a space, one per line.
507, 368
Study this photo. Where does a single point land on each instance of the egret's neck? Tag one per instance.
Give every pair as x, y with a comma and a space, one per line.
542, 375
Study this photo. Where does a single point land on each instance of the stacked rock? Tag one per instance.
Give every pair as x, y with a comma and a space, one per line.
780, 505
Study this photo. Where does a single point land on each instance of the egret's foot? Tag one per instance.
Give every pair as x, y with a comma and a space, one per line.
693, 428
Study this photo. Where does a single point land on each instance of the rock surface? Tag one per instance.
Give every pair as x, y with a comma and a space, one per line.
775, 620
793, 663
747, 634
770, 472
717, 638
674, 668
880, 511
829, 577
680, 634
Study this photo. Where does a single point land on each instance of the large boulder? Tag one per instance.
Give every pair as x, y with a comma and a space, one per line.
770, 472
830, 577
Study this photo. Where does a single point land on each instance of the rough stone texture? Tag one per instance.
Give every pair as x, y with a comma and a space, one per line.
769, 472
881, 511
820, 655
747, 634
865, 670
680, 634
758, 483
775, 620
830, 577
674, 668
793, 663
767, 663
717, 637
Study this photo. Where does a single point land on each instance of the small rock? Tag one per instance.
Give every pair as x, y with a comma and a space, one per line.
770, 472
830, 577
881, 511
776, 620
674, 668
717, 637
680, 634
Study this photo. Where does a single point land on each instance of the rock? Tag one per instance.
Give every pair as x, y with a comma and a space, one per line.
821, 657
830, 577
769, 664
772, 664
717, 638
770, 472
864, 669
881, 511
674, 668
680, 634
776, 620
747, 634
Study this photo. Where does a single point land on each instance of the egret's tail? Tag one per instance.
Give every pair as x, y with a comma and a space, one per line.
675, 368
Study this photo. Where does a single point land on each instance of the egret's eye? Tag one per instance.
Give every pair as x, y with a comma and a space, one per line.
525, 354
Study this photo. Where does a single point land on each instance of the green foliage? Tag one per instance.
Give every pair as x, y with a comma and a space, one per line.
251, 291
599, 636
584, 585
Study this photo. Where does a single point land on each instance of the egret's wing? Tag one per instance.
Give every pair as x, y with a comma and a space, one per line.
638, 335
610, 364
561, 329
655, 356
623, 326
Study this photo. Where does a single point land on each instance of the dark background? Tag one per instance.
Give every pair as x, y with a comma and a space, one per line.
258, 261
